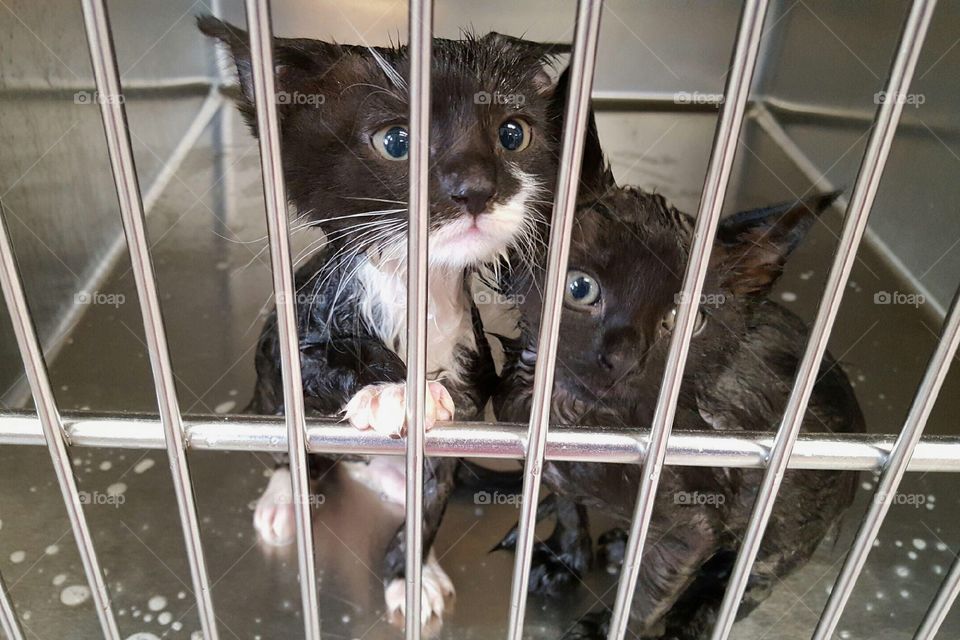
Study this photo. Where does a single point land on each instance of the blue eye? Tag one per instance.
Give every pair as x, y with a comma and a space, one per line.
582, 290
392, 142
514, 135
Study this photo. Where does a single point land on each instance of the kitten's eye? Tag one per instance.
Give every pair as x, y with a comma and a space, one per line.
515, 135
582, 290
392, 142
670, 321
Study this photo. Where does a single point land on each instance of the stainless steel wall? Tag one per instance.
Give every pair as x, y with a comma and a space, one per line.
823, 69
54, 175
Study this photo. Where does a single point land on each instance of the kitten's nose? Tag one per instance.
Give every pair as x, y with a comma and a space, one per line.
618, 354
473, 195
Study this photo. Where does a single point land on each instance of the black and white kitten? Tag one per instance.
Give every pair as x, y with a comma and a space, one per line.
343, 112
627, 259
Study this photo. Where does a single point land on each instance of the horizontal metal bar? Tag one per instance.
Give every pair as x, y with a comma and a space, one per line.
940, 607
745, 450
8, 616
278, 231
861, 200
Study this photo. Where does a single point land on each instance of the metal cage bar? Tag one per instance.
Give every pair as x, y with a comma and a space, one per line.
421, 39
120, 150
743, 450
855, 222
893, 471
940, 607
715, 185
8, 616
581, 70
275, 196
49, 416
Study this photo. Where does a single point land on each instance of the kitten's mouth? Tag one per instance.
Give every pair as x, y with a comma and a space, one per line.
471, 240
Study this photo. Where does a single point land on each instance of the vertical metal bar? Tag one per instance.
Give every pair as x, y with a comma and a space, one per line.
938, 611
53, 433
861, 200
114, 115
275, 195
893, 471
742, 66
421, 40
568, 179
8, 616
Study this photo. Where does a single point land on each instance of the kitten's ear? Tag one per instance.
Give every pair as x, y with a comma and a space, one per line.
297, 61
537, 53
753, 246
595, 174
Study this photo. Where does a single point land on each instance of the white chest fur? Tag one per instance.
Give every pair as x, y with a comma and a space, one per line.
383, 303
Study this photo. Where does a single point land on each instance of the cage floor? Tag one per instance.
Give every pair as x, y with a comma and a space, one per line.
206, 232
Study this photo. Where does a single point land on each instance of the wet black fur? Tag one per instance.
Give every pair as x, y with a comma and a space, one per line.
336, 179
738, 378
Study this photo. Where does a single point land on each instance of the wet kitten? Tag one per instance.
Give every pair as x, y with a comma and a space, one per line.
343, 112
628, 255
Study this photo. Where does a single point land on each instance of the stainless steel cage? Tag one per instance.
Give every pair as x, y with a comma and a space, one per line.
171, 431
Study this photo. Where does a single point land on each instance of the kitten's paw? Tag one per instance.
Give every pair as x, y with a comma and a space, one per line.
593, 626
553, 571
382, 407
611, 547
438, 591
274, 517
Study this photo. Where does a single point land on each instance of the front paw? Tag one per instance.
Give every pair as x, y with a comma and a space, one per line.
438, 591
593, 626
382, 407
274, 518
611, 547
553, 571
